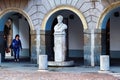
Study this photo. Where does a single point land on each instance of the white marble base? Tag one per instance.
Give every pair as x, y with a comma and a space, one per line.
43, 62
104, 72
65, 63
104, 63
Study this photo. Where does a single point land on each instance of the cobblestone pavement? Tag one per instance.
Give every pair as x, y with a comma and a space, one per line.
38, 75
27, 71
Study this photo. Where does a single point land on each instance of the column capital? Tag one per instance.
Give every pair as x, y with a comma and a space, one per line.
38, 32
89, 31
42, 32
32, 32
35, 32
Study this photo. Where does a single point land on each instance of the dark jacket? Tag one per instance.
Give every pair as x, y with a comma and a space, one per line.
16, 44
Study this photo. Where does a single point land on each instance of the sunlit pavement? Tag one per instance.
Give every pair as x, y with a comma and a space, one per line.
28, 71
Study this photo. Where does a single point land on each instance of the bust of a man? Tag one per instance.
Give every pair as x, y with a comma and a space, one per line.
60, 26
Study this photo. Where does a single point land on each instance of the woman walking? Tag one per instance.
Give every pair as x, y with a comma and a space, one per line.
16, 46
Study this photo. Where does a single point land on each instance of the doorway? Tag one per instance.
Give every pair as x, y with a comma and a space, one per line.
74, 38
19, 25
111, 39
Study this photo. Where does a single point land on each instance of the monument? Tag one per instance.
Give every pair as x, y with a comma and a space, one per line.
60, 44
60, 40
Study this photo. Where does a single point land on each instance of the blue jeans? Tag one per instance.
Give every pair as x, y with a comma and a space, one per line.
16, 53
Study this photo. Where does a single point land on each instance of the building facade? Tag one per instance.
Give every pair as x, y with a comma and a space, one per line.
93, 27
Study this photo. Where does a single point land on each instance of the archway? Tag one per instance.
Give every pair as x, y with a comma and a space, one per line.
63, 7
75, 34
109, 25
20, 25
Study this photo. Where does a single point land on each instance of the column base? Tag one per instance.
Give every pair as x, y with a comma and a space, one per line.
60, 64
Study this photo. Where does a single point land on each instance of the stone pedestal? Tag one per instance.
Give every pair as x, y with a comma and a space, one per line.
104, 63
43, 62
59, 47
60, 51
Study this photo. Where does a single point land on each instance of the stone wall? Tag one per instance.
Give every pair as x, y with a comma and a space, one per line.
38, 9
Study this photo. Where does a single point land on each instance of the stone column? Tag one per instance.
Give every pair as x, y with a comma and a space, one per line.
42, 42
33, 46
38, 44
92, 48
97, 46
88, 47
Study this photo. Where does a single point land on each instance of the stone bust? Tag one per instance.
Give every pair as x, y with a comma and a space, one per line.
60, 26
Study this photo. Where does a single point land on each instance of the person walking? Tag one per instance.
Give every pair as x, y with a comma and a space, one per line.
16, 46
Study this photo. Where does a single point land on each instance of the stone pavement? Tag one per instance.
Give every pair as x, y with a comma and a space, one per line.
27, 71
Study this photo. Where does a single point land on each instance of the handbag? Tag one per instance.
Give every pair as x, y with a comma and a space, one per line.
7, 50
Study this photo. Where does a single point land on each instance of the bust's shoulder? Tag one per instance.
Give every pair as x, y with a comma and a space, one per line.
64, 25
55, 27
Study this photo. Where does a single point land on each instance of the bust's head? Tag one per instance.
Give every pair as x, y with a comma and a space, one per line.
59, 18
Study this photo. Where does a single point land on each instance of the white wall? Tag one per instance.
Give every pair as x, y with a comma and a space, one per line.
75, 34
114, 37
114, 33
24, 32
15, 26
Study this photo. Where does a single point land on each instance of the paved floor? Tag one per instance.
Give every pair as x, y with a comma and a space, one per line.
28, 71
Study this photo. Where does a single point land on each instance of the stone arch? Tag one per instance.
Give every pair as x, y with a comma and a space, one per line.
82, 18
5, 11
28, 19
105, 15
104, 25
44, 29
